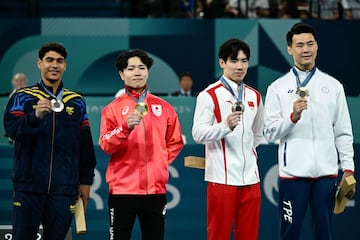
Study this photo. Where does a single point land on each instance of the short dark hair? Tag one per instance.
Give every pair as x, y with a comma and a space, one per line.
185, 74
299, 28
52, 46
122, 60
231, 47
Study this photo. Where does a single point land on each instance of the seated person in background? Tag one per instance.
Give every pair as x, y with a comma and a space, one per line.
18, 81
185, 83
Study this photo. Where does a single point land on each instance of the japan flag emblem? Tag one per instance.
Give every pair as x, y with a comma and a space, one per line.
156, 109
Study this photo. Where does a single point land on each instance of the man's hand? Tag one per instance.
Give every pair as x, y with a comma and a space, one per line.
134, 119
352, 192
298, 106
84, 193
234, 119
43, 107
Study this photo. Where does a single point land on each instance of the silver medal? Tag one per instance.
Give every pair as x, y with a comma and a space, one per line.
57, 105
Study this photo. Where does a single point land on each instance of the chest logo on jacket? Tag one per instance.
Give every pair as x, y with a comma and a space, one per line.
325, 89
156, 109
69, 110
125, 110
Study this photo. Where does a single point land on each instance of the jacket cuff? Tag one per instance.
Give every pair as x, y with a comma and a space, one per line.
292, 119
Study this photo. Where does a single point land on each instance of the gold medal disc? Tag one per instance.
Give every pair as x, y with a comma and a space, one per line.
141, 108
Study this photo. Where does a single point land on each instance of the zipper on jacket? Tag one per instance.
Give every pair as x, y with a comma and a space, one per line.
145, 158
52, 152
284, 154
242, 148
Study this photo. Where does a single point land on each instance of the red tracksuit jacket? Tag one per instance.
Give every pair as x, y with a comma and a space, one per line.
139, 157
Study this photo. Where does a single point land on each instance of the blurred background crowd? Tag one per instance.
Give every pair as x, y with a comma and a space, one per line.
317, 9
197, 9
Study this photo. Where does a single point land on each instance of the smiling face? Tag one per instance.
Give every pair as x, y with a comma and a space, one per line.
135, 74
303, 50
52, 67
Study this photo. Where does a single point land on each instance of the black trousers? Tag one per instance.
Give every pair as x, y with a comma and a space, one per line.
149, 209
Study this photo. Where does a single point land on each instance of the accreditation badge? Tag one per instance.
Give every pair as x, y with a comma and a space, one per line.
141, 108
238, 106
57, 105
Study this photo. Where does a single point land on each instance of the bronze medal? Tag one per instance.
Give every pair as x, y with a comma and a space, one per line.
238, 106
302, 92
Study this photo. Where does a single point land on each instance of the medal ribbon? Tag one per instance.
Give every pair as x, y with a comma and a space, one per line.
141, 98
240, 89
58, 97
307, 79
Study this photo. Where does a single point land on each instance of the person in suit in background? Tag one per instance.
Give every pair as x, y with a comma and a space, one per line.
18, 81
186, 84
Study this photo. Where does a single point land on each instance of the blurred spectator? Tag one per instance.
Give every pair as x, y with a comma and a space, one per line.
186, 84
274, 8
326, 9
18, 81
294, 9
150, 8
238, 8
187, 8
351, 9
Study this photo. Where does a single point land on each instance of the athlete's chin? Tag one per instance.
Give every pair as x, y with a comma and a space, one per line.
238, 79
137, 87
53, 80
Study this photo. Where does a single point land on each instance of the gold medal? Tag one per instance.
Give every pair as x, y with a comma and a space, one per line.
57, 105
141, 108
238, 106
302, 92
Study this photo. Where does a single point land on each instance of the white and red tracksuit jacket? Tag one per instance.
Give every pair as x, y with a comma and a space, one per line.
139, 157
231, 156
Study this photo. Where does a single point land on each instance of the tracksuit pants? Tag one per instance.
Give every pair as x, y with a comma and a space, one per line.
233, 207
295, 195
150, 210
30, 210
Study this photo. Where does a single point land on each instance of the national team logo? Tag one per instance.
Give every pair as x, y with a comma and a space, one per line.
156, 109
69, 110
325, 89
251, 104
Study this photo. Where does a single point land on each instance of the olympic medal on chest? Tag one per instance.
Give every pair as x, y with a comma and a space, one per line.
57, 105
302, 92
141, 108
238, 106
